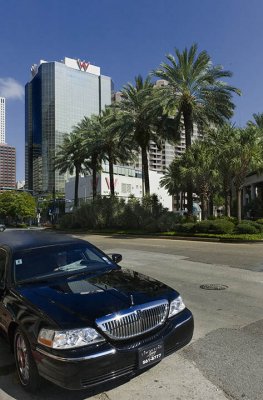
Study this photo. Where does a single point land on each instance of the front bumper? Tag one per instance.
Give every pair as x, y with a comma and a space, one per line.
87, 368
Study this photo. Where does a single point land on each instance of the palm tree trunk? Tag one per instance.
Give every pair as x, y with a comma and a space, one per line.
177, 200
145, 171
111, 172
76, 195
202, 207
188, 127
227, 201
94, 176
211, 205
204, 203
227, 195
239, 212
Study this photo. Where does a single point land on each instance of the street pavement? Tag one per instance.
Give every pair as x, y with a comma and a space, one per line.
225, 358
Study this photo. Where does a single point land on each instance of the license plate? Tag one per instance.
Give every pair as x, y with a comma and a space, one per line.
150, 355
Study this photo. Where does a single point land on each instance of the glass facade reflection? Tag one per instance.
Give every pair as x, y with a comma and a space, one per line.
59, 95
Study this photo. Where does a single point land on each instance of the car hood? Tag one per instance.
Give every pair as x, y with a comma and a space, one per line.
77, 302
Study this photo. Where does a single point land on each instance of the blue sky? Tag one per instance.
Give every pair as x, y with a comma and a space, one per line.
126, 38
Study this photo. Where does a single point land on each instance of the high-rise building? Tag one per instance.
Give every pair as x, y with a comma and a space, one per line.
161, 157
7, 166
58, 96
2, 120
7, 154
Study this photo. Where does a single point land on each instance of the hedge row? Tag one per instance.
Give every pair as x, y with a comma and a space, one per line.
112, 213
220, 226
150, 216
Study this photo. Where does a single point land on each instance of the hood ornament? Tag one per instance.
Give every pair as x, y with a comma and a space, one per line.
132, 300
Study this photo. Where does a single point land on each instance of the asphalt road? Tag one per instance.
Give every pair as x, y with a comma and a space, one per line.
225, 358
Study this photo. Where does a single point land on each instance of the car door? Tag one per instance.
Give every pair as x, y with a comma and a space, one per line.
3, 312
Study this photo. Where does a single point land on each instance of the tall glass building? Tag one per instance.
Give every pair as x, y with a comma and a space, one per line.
58, 96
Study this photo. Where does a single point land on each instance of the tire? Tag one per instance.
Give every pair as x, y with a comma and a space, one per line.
25, 364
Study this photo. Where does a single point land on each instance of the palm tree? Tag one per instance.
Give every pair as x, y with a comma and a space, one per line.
71, 158
114, 149
238, 152
139, 117
195, 93
91, 131
247, 156
199, 164
223, 140
173, 181
258, 120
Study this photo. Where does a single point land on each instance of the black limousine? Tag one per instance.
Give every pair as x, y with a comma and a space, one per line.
73, 316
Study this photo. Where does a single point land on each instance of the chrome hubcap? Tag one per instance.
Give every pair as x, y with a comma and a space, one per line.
22, 359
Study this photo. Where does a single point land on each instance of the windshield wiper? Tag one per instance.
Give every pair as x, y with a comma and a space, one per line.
90, 272
86, 272
69, 269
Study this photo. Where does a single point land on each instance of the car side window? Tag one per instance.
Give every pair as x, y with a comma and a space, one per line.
91, 254
2, 266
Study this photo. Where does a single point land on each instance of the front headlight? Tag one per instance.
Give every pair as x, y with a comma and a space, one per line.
69, 339
176, 306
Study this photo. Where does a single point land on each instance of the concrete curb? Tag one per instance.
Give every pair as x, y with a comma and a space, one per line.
186, 238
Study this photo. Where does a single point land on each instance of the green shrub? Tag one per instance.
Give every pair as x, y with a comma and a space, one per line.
21, 225
67, 221
178, 228
258, 226
260, 221
231, 219
215, 226
84, 217
151, 225
168, 220
113, 213
203, 226
246, 228
188, 227
221, 226
189, 218
133, 216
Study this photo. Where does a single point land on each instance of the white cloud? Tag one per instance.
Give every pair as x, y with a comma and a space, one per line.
11, 89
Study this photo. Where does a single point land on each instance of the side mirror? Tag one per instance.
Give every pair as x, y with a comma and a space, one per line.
116, 257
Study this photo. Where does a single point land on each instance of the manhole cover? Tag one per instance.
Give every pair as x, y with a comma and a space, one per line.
213, 286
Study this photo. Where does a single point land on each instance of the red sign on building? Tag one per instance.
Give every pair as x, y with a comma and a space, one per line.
83, 65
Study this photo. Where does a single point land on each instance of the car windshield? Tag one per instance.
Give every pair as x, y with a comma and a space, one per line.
52, 261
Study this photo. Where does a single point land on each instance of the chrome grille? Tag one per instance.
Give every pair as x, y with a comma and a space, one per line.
135, 320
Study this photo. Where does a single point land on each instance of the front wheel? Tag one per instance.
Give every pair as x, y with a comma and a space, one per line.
25, 364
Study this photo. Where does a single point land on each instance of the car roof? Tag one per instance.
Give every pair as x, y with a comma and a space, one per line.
29, 239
